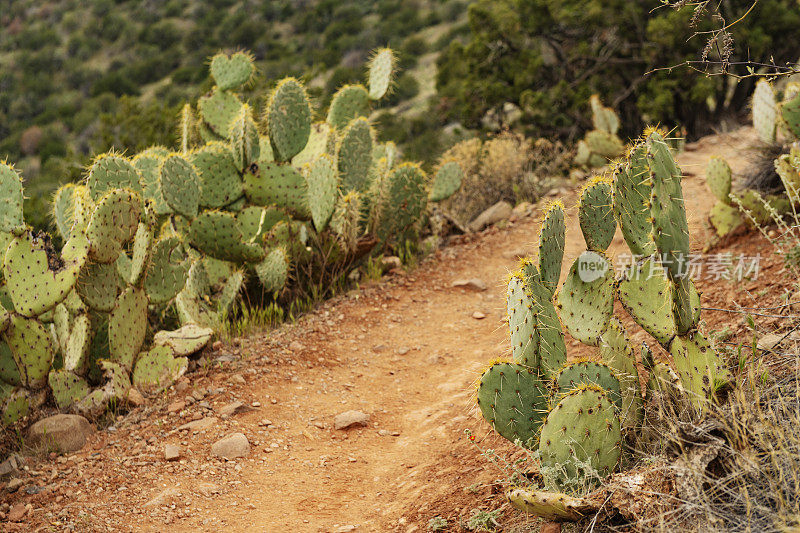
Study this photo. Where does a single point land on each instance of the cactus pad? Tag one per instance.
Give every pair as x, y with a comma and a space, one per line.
604, 144
278, 184
64, 208
232, 71
36, 277
596, 215
114, 222
765, 112
348, 103
98, 286
111, 171
217, 234
322, 140
404, 202
158, 369
32, 348
603, 118
381, 67
323, 185
79, 342
700, 368
725, 218
586, 373
14, 404
218, 110
273, 271
10, 198
552, 351
446, 182
522, 322
646, 294
127, 326
585, 307
551, 246
186, 340
514, 401
551, 506
148, 163
617, 352
355, 155
9, 372
289, 119
67, 388
220, 182
718, 177
244, 138
581, 438
180, 185
166, 271
632, 202
790, 114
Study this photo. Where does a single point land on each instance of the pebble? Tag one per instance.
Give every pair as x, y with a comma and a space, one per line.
199, 425
17, 512
349, 419
14, 484
474, 284
172, 452
234, 408
477, 315
238, 379
296, 346
231, 447
403, 350
134, 397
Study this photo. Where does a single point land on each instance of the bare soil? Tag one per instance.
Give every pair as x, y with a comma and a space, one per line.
407, 350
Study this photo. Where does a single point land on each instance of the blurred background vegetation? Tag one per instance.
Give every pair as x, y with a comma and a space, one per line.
79, 77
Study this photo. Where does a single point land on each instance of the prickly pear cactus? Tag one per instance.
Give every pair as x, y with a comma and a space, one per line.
765, 112
10, 198
186, 340
579, 373
381, 67
645, 293
289, 119
218, 234
514, 401
522, 322
552, 352
586, 300
355, 155
446, 181
244, 138
323, 183
552, 238
596, 215
232, 71
158, 369
109, 172
551, 506
632, 202
348, 103
114, 222
790, 115
32, 349
702, 371
718, 177
616, 351
218, 110
581, 441
219, 180
180, 185
67, 388
127, 326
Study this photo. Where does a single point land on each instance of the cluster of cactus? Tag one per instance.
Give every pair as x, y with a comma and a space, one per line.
578, 414
185, 229
77, 320
602, 143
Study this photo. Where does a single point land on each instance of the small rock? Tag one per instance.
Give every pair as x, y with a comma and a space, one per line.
234, 408
473, 284
10, 466
199, 425
176, 406
217, 346
383, 433
550, 527
403, 350
522, 208
345, 529
349, 419
499, 211
172, 452
163, 497
17, 512
134, 397
378, 348
64, 433
207, 489
230, 447
768, 341
238, 379
391, 262
199, 394
477, 315
226, 358
14, 484
296, 346
181, 386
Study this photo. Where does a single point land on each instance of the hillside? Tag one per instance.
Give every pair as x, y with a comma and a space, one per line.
78, 78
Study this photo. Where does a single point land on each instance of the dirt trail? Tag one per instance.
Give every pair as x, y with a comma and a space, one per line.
405, 350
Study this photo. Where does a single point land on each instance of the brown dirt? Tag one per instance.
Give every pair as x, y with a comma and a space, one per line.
406, 350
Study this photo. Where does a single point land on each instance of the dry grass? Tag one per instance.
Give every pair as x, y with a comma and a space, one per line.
506, 167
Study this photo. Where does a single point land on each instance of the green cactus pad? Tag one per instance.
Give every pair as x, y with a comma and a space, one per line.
64, 203
255, 222
98, 286
403, 203
381, 67
718, 177
586, 373
79, 342
273, 271
9, 372
447, 181
552, 351
232, 71
114, 222
127, 326
244, 138
522, 322
345, 222
67, 388
632, 202
765, 111
229, 295
596, 215
321, 141
646, 294
112, 171
280, 185
194, 310
158, 369
550, 506
355, 155
790, 114
148, 164
186, 340
603, 118
32, 348
14, 404
219, 109
617, 353
10, 198
725, 218
581, 438
217, 234
514, 401
585, 307
604, 144
220, 182
180, 185
323, 184
551, 245
700, 368
348, 103
37, 278
289, 119
166, 271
